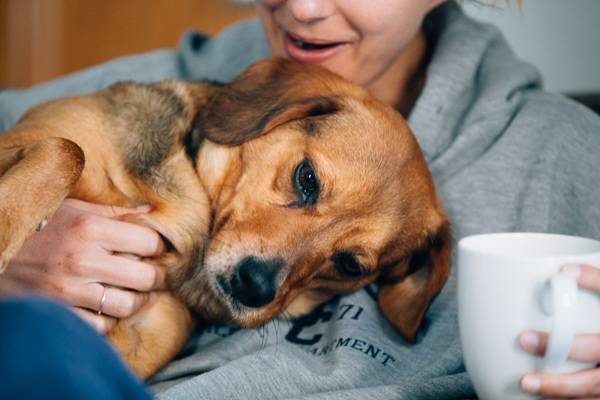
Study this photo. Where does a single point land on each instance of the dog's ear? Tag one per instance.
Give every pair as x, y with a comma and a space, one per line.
266, 95
407, 289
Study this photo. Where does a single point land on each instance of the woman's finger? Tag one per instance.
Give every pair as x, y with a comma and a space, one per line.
125, 237
580, 384
77, 292
585, 347
100, 323
125, 272
97, 224
117, 236
111, 301
588, 277
122, 303
103, 210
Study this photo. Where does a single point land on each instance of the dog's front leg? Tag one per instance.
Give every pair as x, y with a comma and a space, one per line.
151, 337
34, 180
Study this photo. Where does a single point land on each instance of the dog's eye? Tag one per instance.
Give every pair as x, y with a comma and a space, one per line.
306, 185
346, 264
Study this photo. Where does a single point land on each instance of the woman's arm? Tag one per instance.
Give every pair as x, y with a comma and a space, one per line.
148, 67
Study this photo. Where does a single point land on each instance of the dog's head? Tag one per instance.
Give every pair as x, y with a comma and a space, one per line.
316, 189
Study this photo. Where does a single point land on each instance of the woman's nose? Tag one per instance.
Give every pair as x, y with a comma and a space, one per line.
307, 11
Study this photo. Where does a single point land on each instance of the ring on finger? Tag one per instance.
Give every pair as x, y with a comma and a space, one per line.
102, 300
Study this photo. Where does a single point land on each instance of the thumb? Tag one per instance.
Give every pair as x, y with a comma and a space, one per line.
108, 211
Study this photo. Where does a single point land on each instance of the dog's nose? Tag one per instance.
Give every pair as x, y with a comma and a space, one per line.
253, 282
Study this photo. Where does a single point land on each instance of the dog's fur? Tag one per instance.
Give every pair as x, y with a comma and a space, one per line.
221, 162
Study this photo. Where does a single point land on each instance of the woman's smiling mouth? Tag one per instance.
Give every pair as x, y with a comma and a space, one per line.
310, 50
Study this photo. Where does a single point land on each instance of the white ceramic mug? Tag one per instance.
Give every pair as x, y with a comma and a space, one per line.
509, 283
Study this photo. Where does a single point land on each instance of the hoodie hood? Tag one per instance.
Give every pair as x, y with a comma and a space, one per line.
474, 86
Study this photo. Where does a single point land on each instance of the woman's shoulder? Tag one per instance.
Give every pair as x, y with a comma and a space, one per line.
147, 67
562, 120
225, 55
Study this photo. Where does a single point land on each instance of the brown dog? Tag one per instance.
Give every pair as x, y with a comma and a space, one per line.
306, 186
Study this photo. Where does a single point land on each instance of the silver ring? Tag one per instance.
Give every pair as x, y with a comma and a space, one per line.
102, 300
41, 225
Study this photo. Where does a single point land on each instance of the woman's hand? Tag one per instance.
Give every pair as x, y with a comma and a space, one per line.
586, 348
83, 254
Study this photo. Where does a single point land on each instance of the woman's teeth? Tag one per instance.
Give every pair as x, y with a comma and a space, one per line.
311, 46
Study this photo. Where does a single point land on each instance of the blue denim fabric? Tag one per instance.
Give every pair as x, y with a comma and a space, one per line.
47, 352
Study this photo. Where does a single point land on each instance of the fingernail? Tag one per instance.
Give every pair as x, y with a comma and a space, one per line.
573, 270
529, 341
530, 384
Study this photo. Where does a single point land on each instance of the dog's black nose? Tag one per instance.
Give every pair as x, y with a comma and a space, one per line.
253, 282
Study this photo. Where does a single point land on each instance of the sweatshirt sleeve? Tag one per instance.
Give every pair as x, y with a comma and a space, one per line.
575, 190
153, 66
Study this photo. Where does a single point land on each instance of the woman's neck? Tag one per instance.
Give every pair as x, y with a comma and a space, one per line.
401, 84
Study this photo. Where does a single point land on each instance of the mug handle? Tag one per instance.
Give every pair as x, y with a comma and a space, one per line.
562, 289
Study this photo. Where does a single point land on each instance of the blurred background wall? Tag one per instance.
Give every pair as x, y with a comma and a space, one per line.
560, 37
41, 39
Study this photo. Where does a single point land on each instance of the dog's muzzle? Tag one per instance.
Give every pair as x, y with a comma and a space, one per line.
253, 282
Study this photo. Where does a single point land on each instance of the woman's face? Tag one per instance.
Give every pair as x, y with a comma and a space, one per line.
362, 40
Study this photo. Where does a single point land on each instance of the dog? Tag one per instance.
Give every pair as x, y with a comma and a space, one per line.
273, 193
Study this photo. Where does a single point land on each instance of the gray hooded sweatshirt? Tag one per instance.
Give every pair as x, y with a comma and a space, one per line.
505, 155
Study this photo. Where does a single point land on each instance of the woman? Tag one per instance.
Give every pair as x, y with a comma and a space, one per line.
505, 155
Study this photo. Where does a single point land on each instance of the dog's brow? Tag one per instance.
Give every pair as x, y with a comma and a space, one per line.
311, 123
310, 126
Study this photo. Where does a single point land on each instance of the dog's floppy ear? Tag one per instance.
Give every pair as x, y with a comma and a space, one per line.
408, 289
266, 95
